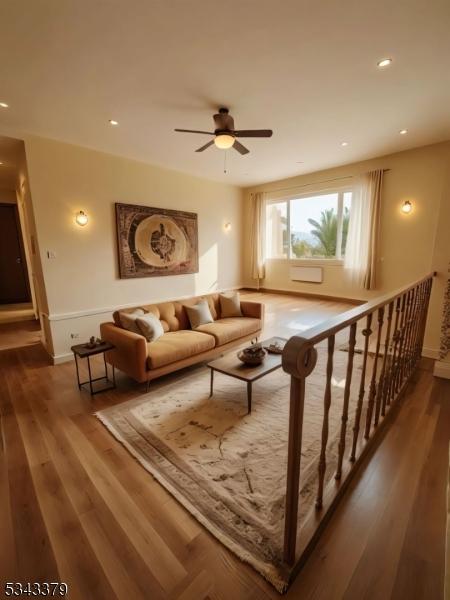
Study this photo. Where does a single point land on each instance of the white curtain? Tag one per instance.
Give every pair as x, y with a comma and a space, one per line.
257, 236
361, 251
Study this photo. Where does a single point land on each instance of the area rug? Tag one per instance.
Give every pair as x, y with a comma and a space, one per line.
227, 467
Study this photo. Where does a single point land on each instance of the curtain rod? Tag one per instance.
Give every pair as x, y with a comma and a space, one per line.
296, 187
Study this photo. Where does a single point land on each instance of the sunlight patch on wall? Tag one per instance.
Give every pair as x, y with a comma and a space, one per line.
208, 267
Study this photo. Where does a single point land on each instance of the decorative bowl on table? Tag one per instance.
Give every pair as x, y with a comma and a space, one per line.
93, 343
275, 347
253, 355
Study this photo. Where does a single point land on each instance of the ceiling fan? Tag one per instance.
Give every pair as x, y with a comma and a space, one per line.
225, 134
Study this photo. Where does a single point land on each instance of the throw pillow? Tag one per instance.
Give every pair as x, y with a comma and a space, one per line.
128, 320
199, 314
150, 327
230, 305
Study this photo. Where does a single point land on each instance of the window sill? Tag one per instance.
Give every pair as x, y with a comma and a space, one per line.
309, 262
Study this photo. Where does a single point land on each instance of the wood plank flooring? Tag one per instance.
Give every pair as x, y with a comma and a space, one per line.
75, 506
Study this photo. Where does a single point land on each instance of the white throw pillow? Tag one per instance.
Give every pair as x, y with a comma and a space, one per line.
150, 327
128, 320
199, 314
230, 305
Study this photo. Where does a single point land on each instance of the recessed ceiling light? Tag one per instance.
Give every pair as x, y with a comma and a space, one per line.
4, 105
344, 143
403, 131
385, 62
112, 122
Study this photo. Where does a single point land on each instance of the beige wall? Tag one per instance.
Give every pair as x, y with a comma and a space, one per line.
8, 196
408, 247
82, 282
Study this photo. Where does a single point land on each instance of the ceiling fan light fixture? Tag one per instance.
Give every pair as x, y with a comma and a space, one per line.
224, 141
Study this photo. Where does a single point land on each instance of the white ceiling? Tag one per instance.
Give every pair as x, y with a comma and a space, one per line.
305, 68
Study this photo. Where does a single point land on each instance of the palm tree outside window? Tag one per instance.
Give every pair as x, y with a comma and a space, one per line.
309, 227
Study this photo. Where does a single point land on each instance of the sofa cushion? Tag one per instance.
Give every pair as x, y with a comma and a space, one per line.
128, 320
199, 314
150, 327
177, 345
230, 305
227, 330
173, 315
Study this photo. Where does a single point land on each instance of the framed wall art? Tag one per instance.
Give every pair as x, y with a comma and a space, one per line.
156, 241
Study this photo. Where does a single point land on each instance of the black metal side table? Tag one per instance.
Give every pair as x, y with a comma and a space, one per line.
81, 351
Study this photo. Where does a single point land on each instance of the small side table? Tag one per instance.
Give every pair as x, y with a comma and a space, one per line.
80, 351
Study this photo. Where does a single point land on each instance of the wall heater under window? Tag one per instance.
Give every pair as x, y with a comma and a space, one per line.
311, 274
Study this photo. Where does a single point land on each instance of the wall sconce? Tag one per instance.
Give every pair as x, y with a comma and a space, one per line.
227, 227
407, 207
81, 218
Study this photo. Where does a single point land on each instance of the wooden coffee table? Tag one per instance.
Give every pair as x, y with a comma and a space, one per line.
232, 366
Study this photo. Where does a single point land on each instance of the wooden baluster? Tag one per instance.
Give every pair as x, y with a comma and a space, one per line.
419, 321
396, 340
326, 404
348, 381
366, 333
400, 345
409, 328
409, 332
296, 410
408, 335
381, 393
373, 381
412, 333
404, 345
423, 320
421, 302
299, 361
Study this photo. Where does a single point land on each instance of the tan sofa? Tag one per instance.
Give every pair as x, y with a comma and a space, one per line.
180, 346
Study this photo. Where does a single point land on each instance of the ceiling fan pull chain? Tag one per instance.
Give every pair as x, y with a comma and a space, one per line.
225, 161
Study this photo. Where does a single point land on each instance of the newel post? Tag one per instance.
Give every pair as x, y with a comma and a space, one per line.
299, 360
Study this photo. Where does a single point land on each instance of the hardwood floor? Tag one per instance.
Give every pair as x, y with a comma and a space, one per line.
19, 334
75, 506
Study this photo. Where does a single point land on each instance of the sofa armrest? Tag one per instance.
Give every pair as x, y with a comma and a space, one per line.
253, 309
130, 352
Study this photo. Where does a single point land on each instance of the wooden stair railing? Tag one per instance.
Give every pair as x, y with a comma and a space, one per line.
399, 321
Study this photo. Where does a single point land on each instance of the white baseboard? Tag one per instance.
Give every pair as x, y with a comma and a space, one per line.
62, 358
441, 369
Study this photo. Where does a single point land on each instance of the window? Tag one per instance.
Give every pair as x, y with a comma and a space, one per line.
308, 227
276, 230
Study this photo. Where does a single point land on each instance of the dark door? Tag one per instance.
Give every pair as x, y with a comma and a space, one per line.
14, 285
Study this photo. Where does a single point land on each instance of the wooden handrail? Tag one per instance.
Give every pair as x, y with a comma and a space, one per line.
320, 332
399, 319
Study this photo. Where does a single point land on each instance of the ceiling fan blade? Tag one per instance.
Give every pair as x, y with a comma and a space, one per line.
205, 146
193, 131
254, 133
240, 148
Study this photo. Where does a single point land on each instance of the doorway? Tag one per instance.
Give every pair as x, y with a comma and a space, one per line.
14, 282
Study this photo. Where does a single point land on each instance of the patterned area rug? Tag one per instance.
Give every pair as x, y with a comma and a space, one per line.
228, 468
